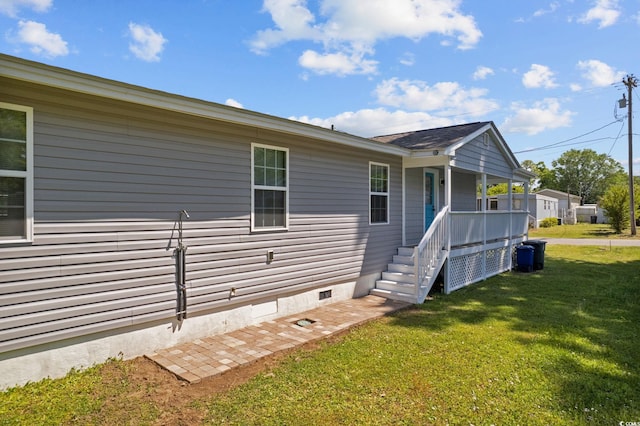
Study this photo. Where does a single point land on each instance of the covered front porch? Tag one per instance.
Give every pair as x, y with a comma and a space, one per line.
448, 229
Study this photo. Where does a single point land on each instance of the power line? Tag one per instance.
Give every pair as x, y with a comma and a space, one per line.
617, 137
560, 143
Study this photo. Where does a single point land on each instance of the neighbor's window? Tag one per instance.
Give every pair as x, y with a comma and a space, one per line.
517, 204
270, 185
16, 175
378, 193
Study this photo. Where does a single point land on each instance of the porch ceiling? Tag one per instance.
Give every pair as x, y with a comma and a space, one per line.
436, 161
425, 159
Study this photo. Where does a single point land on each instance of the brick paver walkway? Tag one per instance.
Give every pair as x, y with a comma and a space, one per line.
210, 356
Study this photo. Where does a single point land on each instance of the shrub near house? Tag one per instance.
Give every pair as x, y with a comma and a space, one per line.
548, 222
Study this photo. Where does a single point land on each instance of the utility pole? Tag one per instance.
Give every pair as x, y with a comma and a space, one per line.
630, 81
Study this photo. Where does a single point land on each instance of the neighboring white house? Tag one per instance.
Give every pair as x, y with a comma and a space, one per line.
540, 206
590, 213
566, 204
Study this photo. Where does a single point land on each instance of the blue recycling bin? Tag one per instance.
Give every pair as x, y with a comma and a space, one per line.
524, 258
538, 253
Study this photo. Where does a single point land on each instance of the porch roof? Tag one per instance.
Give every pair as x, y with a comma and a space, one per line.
438, 138
438, 146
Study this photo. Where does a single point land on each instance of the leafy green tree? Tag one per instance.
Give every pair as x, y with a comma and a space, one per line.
616, 204
503, 188
544, 176
585, 173
620, 178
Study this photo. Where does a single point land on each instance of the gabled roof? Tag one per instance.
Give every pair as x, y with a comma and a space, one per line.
440, 138
444, 141
559, 195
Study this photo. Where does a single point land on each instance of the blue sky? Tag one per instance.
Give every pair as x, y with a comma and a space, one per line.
546, 72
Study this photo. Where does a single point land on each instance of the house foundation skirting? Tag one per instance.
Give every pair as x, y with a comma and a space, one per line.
56, 359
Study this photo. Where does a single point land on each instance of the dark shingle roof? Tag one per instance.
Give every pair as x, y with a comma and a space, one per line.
440, 138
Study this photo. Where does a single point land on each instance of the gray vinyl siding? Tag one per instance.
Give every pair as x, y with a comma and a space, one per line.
109, 180
414, 205
481, 158
463, 196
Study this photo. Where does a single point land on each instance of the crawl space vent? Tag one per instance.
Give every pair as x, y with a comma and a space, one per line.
325, 294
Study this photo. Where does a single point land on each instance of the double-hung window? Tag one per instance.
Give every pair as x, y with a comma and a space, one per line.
378, 193
270, 188
16, 173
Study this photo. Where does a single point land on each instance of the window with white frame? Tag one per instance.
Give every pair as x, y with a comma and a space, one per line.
16, 173
270, 187
378, 193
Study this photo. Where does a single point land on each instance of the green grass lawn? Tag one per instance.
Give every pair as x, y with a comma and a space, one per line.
580, 230
558, 346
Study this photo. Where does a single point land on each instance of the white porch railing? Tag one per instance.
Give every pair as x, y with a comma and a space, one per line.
482, 244
470, 228
429, 255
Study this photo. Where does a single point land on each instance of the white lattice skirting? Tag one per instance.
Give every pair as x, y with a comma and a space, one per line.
473, 267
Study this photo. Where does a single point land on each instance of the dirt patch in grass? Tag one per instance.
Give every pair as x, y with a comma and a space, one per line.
153, 395
174, 401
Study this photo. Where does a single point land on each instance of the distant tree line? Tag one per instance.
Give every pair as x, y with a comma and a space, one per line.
595, 178
584, 173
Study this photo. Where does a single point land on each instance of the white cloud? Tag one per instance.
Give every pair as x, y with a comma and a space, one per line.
337, 63
147, 44
599, 74
412, 19
606, 12
539, 76
351, 30
232, 102
552, 8
42, 41
482, 72
408, 59
293, 21
541, 116
448, 98
384, 122
11, 7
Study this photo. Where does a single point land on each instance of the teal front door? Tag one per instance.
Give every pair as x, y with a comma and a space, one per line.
429, 200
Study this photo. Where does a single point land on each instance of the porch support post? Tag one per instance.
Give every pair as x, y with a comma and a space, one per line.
510, 202
484, 226
483, 207
404, 209
447, 202
447, 186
